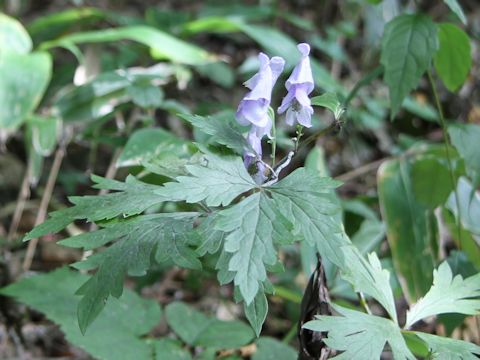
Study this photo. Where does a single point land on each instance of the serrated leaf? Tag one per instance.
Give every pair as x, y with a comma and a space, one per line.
271, 349
198, 329
443, 348
117, 334
133, 198
256, 312
457, 9
448, 294
304, 198
169, 235
368, 277
330, 101
145, 144
360, 336
408, 45
465, 139
211, 238
254, 226
223, 129
170, 349
453, 59
217, 182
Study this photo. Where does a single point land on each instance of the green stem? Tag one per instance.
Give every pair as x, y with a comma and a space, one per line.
447, 152
274, 141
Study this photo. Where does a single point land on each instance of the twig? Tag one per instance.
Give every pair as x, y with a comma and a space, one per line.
364, 169
42, 210
22, 198
364, 303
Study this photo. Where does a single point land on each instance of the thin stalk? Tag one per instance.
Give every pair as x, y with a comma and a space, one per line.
22, 198
274, 141
364, 303
447, 152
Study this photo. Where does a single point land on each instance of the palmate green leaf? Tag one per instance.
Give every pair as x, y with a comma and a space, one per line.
465, 139
162, 45
169, 235
368, 277
360, 336
448, 294
443, 348
453, 60
217, 182
223, 129
133, 198
457, 9
254, 226
117, 333
408, 45
198, 329
330, 101
304, 198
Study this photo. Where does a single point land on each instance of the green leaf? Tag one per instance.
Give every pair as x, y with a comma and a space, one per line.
217, 182
133, 198
169, 235
330, 101
24, 80
146, 95
13, 36
453, 59
368, 277
448, 294
271, 349
411, 228
305, 198
443, 348
254, 226
170, 349
117, 333
145, 144
465, 139
222, 127
429, 190
457, 9
360, 336
162, 45
256, 312
45, 131
469, 201
408, 45
198, 329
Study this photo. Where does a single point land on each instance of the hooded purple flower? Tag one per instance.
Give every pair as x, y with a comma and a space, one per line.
299, 85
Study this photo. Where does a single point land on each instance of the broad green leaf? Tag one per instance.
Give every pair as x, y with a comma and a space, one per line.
429, 190
368, 277
145, 144
419, 107
117, 333
369, 236
254, 226
198, 329
448, 294
24, 80
219, 72
132, 198
217, 182
330, 101
146, 95
305, 199
162, 45
360, 336
170, 349
222, 127
271, 349
443, 348
457, 9
465, 139
469, 201
45, 131
13, 36
411, 228
168, 236
453, 59
408, 45
256, 312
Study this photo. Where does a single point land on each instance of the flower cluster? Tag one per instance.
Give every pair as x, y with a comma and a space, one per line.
254, 108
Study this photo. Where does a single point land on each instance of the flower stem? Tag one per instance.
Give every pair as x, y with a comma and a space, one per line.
447, 152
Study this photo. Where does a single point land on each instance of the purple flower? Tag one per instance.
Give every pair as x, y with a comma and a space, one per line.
253, 109
299, 85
